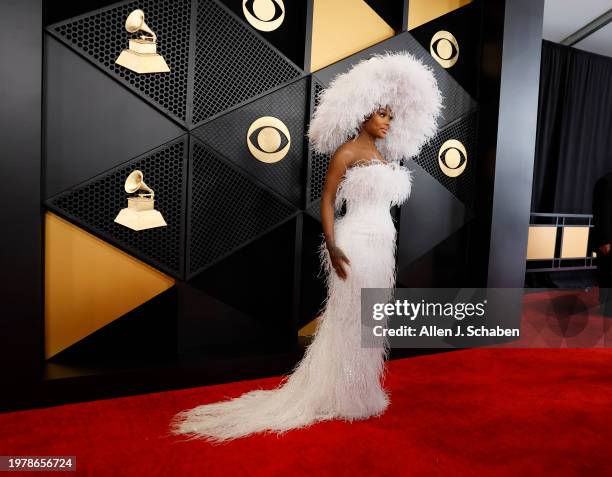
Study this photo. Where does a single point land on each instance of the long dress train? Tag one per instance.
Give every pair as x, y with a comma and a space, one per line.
337, 377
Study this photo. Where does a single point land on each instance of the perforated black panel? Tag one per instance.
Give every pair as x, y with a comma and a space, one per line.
318, 163
233, 197
226, 209
101, 37
465, 131
232, 63
314, 210
95, 204
318, 169
290, 36
228, 135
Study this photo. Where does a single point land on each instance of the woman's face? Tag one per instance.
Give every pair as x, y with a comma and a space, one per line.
379, 123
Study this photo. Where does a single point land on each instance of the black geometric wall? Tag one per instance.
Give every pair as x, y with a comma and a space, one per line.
290, 36
233, 63
431, 216
318, 163
463, 129
227, 209
94, 205
216, 61
101, 37
227, 135
460, 23
218, 64
91, 115
392, 11
224, 75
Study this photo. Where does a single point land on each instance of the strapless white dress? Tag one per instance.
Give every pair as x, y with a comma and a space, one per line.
337, 377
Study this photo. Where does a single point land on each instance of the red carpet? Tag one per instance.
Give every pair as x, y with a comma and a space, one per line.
485, 412
564, 319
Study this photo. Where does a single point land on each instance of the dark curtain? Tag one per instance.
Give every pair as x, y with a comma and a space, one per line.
574, 133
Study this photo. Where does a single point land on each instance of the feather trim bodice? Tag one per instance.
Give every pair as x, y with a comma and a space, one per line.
374, 186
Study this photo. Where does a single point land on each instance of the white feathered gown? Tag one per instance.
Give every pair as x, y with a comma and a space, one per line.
337, 378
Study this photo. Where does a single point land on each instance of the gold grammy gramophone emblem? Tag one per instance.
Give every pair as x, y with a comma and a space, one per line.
140, 213
265, 139
265, 15
452, 158
444, 48
141, 56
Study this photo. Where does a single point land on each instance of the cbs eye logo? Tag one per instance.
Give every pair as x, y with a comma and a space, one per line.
268, 139
265, 15
444, 48
452, 158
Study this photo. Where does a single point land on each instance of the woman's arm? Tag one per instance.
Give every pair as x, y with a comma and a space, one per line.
337, 167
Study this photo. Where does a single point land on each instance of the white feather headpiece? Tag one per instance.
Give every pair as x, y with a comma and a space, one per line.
397, 79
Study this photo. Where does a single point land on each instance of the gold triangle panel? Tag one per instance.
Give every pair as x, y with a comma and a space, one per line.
309, 328
89, 283
341, 28
423, 11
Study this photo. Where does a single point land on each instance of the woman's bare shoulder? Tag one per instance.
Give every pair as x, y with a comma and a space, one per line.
347, 149
343, 157
350, 155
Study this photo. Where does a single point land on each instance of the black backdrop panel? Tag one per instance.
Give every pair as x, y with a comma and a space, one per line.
208, 325
251, 291
92, 123
314, 210
232, 62
95, 204
428, 217
312, 287
290, 36
101, 36
457, 101
147, 334
227, 209
59, 10
391, 11
227, 135
464, 130
317, 163
460, 23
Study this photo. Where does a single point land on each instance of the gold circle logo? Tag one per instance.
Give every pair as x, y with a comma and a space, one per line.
444, 48
452, 158
268, 139
265, 15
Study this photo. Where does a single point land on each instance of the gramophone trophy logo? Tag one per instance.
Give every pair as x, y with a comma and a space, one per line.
140, 213
141, 56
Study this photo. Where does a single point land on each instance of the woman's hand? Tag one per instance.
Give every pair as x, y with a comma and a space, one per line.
338, 258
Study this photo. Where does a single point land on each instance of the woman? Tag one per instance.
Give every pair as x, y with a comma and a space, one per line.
381, 110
